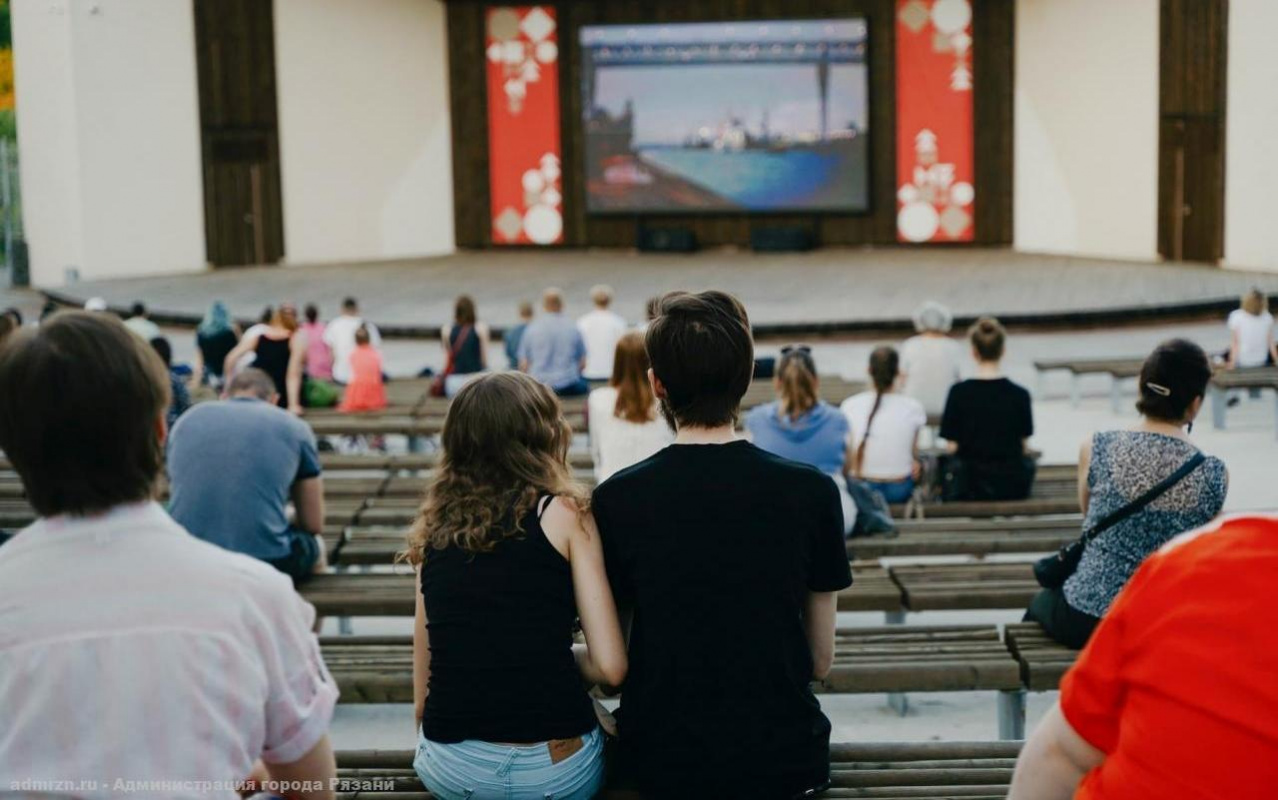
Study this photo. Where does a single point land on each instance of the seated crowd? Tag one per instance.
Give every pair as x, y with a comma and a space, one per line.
703, 570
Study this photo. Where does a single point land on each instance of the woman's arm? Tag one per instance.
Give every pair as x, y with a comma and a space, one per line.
246, 346
818, 621
1234, 346
296, 367
421, 654
1084, 467
603, 659
1054, 761
481, 328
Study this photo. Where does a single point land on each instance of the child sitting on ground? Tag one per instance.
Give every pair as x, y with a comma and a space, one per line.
365, 392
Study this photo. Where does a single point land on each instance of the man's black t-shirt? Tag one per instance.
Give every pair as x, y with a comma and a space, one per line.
714, 548
988, 419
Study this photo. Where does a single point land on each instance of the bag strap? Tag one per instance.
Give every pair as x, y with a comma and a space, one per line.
1145, 499
455, 348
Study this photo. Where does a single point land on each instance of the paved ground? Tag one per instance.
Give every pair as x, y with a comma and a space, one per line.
832, 285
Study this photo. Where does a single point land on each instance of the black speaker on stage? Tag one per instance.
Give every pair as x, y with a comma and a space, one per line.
666, 239
782, 239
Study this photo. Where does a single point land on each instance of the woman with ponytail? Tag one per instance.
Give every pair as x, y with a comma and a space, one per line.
885, 429
802, 427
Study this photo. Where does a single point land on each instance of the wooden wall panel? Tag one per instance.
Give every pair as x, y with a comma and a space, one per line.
878, 226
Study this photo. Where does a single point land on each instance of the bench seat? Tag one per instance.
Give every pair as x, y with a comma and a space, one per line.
950, 587
1043, 661
873, 771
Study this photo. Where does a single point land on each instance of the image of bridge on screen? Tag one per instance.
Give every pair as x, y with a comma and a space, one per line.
726, 117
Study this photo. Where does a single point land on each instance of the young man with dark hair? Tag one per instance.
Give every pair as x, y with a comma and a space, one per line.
726, 560
139, 322
234, 467
196, 661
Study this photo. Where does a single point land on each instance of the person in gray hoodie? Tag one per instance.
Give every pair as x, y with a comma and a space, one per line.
802, 427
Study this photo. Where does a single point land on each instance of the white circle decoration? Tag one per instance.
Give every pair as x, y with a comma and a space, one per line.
533, 181
962, 193
543, 224
917, 222
951, 16
908, 193
547, 52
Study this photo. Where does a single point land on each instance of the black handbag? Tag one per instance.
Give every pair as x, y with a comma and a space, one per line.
1052, 572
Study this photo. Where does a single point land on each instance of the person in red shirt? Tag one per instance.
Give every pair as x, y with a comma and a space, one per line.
1176, 695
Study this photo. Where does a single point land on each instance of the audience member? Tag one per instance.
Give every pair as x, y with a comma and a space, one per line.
601, 329
139, 322
512, 337
465, 346
280, 351
179, 397
651, 309
508, 560
726, 560
930, 360
96, 305
552, 349
885, 431
625, 426
234, 467
1251, 333
1174, 696
197, 661
801, 426
340, 337
1116, 468
319, 356
987, 424
366, 391
215, 337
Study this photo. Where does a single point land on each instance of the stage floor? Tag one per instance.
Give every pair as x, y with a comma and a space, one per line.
831, 290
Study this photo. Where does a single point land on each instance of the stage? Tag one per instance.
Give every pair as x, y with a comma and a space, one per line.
827, 291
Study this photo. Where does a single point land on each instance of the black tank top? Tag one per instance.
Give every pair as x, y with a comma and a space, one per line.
272, 358
468, 360
215, 348
501, 625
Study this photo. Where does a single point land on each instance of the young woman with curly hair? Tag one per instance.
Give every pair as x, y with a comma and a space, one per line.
509, 559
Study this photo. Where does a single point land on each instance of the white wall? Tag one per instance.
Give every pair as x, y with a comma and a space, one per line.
1251, 129
108, 126
365, 142
1086, 127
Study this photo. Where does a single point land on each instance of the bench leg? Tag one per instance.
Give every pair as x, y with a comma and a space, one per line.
343, 623
897, 701
1219, 399
1011, 715
1075, 391
1116, 395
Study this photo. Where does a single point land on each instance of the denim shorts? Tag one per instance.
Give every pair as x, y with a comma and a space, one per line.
474, 770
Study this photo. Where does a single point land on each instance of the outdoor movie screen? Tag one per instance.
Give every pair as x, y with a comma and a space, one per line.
723, 117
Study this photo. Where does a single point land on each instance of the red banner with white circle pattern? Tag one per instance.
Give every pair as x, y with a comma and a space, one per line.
935, 140
524, 178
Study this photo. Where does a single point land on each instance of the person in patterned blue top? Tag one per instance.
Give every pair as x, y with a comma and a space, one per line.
1115, 468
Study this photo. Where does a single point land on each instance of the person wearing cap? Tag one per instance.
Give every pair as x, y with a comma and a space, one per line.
1117, 467
930, 360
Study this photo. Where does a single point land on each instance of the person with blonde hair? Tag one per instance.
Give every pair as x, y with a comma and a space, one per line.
601, 328
929, 361
987, 424
1251, 333
508, 559
885, 429
625, 426
279, 350
802, 427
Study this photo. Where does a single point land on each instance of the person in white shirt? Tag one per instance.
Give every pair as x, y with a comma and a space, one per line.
139, 322
129, 649
1251, 333
625, 427
885, 431
340, 338
601, 329
930, 361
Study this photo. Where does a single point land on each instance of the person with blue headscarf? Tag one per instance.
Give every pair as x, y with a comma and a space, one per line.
216, 336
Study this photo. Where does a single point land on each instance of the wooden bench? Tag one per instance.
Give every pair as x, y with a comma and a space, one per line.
872, 771
1229, 380
1043, 661
1119, 369
952, 587
944, 536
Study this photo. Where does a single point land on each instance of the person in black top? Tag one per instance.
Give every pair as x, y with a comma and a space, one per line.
726, 560
509, 559
465, 346
987, 424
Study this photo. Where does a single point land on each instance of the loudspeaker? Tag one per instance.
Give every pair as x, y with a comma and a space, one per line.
666, 240
782, 239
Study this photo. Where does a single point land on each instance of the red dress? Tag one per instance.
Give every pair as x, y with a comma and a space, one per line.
365, 392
